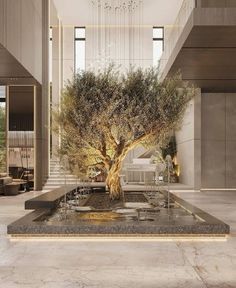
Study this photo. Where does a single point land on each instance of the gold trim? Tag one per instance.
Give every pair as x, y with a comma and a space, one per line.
120, 237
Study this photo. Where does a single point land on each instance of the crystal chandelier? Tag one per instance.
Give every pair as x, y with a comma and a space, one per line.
116, 32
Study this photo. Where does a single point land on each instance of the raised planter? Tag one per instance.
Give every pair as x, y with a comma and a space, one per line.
36, 223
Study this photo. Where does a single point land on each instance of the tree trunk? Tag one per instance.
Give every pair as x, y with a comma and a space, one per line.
113, 176
113, 181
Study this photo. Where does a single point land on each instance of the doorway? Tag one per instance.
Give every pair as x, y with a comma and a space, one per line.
21, 148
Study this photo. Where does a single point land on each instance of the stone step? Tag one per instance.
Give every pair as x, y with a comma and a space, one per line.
61, 174
56, 184
60, 181
50, 187
53, 174
57, 176
56, 167
62, 178
54, 180
59, 171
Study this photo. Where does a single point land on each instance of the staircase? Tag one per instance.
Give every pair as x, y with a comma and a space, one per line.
58, 177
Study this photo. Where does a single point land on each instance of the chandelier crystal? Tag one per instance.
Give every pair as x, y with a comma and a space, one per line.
116, 33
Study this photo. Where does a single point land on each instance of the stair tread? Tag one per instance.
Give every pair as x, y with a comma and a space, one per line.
58, 177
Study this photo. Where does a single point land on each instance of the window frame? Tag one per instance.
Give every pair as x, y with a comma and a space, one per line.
50, 54
3, 99
75, 41
158, 39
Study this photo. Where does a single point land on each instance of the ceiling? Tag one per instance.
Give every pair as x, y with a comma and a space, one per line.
155, 12
11, 71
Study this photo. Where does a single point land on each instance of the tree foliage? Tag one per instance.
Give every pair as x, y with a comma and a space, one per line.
103, 116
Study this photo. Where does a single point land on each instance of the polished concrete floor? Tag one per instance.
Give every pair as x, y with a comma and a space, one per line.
117, 264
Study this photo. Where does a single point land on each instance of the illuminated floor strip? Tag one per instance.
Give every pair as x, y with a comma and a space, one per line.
111, 238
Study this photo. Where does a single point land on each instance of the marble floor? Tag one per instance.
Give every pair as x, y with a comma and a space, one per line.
118, 264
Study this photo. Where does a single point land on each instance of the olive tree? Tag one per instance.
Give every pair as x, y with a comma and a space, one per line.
105, 115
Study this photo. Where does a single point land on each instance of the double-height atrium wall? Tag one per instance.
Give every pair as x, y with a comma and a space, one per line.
24, 30
203, 47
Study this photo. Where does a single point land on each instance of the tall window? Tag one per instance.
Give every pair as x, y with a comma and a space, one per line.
79, 48
50, 55
3, 150
158, 44
50, 82
2, 95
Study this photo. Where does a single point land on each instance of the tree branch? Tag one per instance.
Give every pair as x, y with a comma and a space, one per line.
110, 137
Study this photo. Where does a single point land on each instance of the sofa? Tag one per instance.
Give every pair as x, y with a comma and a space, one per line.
4, 180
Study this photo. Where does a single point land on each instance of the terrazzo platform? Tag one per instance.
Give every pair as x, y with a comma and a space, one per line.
118, 262
33, 224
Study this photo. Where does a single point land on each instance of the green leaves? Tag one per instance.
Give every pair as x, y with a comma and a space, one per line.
105, 115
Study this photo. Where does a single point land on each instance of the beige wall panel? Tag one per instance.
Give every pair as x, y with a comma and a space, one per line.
28, 35
3, 21
68, 53
188, 140
197, 164
68, 70
231, 141
146, 47
68, 50
230, 164
213, 164
213, 116
56, 68
219, 140
68, 43
216, 3
31, 27
53, 15
38, 7
38, 48
187, 131
13, 29
231, 117
56, 77
197, 115
231, 3
38, 138
20, 24
56, 42
55, 81
186, 162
